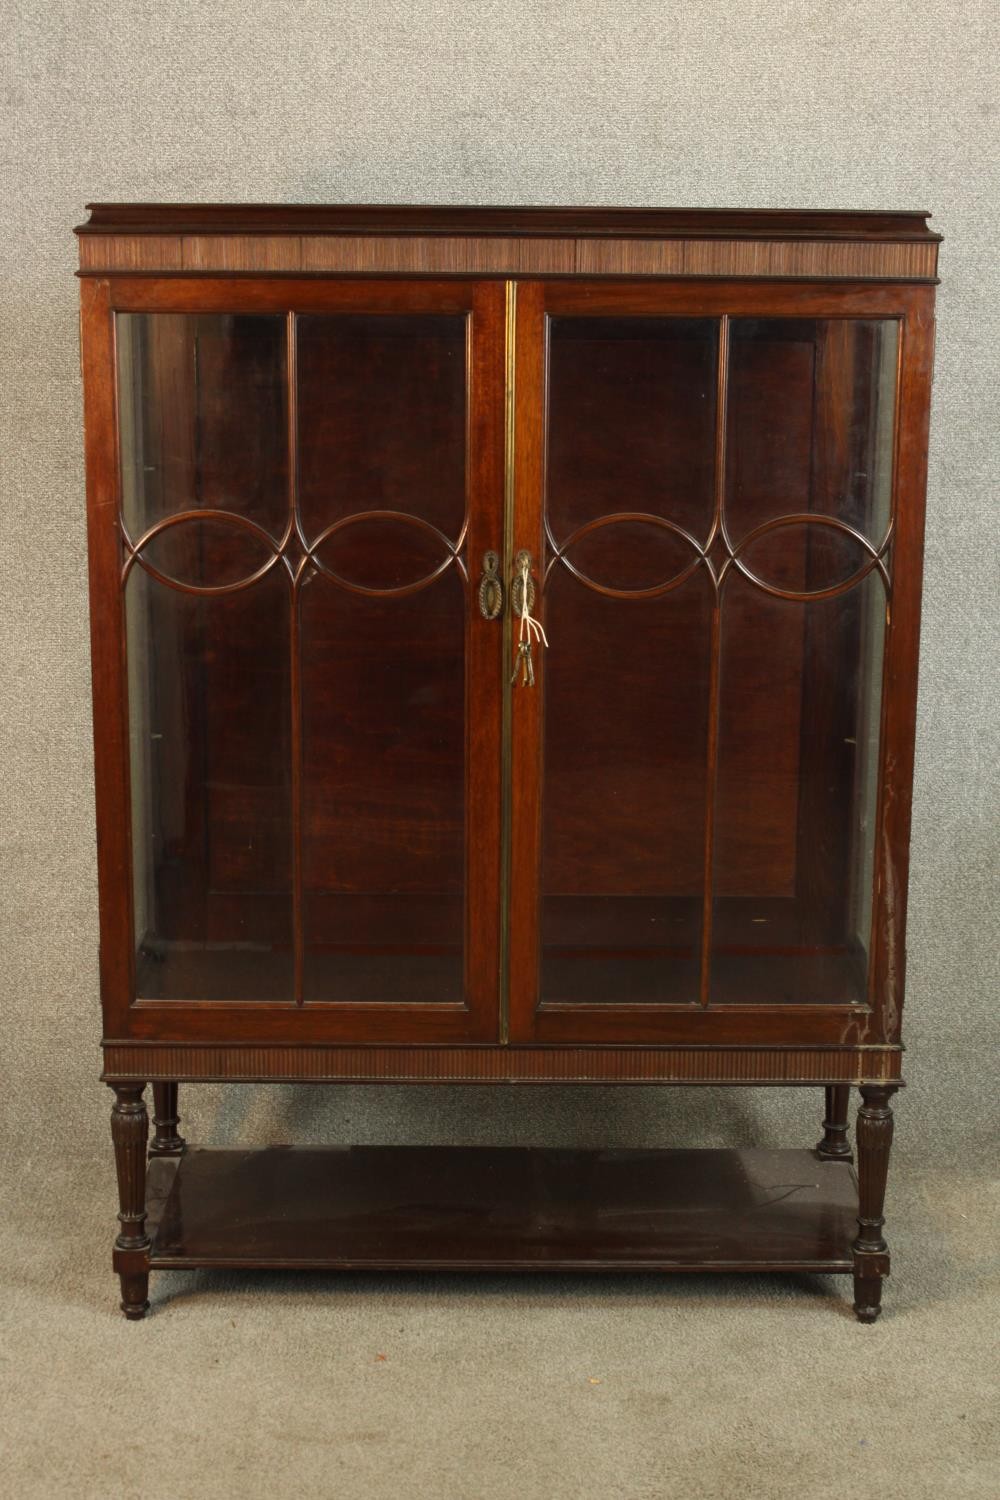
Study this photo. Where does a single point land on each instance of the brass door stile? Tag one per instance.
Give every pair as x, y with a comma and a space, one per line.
510, 351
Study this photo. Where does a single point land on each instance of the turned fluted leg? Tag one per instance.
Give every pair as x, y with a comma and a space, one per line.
835, 1146
166, 1139
871, 1253
129, 1132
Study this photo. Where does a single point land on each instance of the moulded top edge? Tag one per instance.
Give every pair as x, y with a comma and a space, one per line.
528, 220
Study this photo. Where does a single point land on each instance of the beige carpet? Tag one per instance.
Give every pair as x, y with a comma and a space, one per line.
538, 1388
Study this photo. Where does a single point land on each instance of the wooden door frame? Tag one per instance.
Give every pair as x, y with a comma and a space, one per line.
482, 301
877, 1021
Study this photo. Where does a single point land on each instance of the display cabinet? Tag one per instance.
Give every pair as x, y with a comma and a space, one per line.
504, 633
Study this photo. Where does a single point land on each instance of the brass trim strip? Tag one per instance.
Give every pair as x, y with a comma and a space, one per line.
506, 768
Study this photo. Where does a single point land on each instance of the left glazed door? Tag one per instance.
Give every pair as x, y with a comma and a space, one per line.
308, 487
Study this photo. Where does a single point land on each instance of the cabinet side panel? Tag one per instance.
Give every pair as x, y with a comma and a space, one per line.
892, 860
111, 760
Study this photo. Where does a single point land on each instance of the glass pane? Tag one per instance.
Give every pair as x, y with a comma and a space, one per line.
631, 420
805, 557
202, 416
202, 424
800, 690
211, 804
810, 437
811, 416
631, 429
209, 554
623, 809
382, 417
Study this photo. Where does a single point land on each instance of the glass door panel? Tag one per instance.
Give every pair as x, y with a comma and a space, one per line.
314, 695
628, 502
204, 466
695, 784
383, 607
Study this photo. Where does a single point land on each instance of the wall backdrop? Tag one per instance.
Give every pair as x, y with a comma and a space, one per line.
761, 103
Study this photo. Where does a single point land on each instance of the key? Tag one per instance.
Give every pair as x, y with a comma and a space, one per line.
521, 663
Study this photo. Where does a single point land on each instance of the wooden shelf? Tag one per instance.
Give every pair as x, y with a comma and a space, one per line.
502, 1209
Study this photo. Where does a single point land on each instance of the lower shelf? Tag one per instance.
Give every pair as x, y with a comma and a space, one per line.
502, 1209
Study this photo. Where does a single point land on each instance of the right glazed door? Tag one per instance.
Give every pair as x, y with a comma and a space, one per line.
707, 500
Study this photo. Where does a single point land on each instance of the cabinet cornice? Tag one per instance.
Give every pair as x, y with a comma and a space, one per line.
313, 239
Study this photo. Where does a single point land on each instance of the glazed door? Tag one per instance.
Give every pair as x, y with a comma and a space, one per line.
706, 500
310, 480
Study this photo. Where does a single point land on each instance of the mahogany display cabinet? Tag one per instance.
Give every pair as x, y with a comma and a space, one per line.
504, 633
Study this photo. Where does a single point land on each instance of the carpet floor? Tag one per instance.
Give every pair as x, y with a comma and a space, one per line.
454, 1388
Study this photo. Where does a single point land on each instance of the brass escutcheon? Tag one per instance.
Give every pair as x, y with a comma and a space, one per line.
490, 587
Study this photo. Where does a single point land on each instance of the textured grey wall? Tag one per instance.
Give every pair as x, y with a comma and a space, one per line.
777, 103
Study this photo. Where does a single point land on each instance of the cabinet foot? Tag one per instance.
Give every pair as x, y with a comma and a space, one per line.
834, 1145
871, 1253
867, 1297
166, 1139
135, 1294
